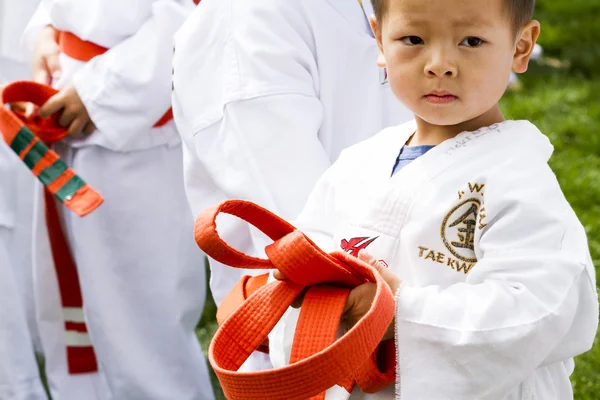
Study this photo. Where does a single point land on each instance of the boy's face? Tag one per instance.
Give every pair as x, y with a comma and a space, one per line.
448, 61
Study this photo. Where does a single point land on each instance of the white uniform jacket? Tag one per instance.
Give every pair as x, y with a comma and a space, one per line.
499, 289
267, 93
127, 89
122, 248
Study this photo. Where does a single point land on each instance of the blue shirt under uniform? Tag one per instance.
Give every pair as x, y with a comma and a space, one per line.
408, 154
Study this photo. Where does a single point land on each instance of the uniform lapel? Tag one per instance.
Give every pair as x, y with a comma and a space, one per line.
391, 206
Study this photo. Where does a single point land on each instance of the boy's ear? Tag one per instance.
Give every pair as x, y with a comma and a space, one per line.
524, 47
377, 30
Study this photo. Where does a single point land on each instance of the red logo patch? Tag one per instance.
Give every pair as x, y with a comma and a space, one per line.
354, 245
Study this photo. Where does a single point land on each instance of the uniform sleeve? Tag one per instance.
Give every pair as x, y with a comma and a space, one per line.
128, 89
39, 20
254, 128
529, 301
267, 151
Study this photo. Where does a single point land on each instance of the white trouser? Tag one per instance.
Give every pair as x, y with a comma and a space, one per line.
16, 202
19, 376
142, 278
21, 248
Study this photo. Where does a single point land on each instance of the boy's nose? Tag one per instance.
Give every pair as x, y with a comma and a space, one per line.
440, 65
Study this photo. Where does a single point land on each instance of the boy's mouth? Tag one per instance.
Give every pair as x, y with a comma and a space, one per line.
440, 97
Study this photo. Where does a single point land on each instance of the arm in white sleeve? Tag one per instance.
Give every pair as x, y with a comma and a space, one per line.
128, 89
39, 20
257, 152
267, 151
244, 84
529, 301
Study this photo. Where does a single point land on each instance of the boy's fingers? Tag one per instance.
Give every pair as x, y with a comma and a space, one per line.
365, 256
349, 304
53, 105
67, 117
46, 64
19, 106
53, 64
388, 276
391, 279
89, 128
76, 127
30, 110
369, 259
40, 73
297, 303
358, 294
278, 275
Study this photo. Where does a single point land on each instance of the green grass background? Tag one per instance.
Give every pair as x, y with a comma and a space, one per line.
561, 95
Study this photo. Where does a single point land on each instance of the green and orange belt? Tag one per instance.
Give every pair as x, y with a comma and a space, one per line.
30, 140
318, 361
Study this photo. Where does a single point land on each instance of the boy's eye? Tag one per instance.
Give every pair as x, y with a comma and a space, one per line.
412, 40
472, 41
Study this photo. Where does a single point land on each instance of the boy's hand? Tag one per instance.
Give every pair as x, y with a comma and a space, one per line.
14, 106
46, 66
45, 63
361, 297
74, 114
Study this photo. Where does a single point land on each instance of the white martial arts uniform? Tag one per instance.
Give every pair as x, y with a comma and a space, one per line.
19, 375
266, 95
141, 273
499, 289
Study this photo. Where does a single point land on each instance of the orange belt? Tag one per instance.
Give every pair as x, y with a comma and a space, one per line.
318, 361
30, 140
82, 50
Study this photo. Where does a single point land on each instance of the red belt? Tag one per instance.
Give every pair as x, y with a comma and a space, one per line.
318, 361
83, 50
30, 140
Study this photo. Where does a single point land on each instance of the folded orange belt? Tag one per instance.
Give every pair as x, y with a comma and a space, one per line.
29, 139
318, 361
83, 50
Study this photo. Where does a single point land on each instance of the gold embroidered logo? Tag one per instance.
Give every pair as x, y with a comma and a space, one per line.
458, 230
460, 223
441, 258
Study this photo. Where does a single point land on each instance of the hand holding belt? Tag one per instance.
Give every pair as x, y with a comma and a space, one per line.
30, 140
318, 361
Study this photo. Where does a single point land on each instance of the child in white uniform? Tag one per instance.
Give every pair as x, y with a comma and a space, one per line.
494, 285
141, 274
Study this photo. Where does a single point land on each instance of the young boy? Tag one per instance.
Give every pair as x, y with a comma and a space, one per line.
495, 289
